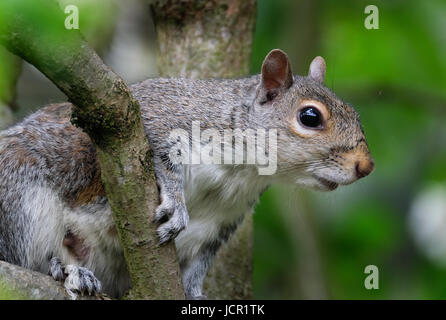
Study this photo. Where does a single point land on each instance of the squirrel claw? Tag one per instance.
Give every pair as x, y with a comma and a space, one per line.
77, 280
81, 280
56, 269
167, 232
174, 220
163, 214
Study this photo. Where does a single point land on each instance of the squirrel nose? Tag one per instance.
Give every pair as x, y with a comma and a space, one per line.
364, 168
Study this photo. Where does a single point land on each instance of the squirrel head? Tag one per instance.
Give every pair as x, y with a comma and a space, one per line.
320, 141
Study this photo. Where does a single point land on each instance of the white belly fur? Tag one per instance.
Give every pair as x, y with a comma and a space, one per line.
216, 195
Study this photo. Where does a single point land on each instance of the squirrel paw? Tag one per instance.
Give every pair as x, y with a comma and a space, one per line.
77, 280
173, 219
80, 280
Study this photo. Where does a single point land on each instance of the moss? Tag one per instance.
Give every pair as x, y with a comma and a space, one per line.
8, 293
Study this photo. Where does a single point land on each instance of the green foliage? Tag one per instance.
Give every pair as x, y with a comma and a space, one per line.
96, 20
396, 78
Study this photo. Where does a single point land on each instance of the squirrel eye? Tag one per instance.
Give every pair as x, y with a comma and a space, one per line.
310, 117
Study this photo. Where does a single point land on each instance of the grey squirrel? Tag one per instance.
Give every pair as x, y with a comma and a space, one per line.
54, 214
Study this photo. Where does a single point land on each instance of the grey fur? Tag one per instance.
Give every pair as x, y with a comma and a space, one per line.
52, 203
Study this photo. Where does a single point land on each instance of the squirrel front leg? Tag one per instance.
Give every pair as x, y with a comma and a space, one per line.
172, 212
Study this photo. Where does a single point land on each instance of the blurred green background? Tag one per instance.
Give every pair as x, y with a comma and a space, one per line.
312, 245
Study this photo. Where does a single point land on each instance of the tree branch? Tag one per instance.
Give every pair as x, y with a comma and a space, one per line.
105, 109
31, 285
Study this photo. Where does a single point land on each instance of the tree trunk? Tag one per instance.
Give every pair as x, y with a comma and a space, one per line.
10, 68
203, 39
105, 109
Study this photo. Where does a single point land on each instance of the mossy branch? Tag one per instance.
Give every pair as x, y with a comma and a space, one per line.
20, 283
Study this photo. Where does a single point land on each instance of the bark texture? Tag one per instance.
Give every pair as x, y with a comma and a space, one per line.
211, 39
105, 109
204, 38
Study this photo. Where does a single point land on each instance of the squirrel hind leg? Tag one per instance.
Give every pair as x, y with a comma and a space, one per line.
81, 280
77, 280
194, 269
193, 272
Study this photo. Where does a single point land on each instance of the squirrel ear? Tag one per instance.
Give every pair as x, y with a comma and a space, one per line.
276, 71
317, 69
